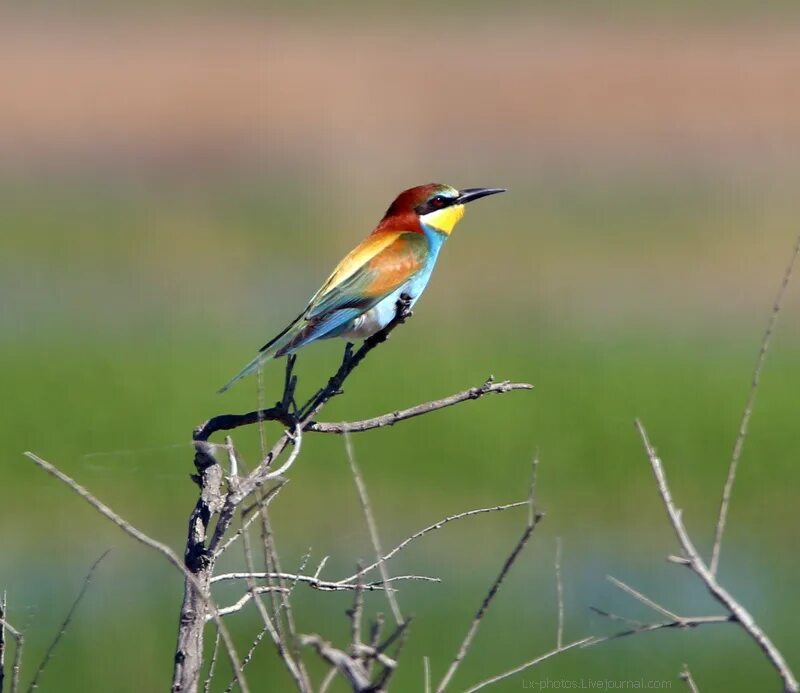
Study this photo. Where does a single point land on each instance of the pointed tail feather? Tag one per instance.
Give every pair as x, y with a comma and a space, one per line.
251, 367
299, 333
275, 348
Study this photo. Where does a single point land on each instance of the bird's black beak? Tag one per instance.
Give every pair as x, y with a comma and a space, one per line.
470, 194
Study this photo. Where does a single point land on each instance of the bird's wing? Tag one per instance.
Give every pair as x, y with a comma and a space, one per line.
372, 271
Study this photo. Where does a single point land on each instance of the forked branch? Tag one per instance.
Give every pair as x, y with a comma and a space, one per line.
694, 561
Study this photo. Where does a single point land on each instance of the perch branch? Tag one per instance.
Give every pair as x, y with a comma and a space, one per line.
390, 419
227, 422
205, 544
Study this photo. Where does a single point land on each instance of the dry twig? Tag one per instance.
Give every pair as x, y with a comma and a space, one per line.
213, 664
698, 566
748, 410
428, 529
163, 549
373, 529
65, 624
643, 599
19, 644
3, 604
560, 596
527, 665
533, 521
686, 677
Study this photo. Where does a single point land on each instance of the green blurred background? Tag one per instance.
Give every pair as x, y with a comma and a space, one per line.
175, 183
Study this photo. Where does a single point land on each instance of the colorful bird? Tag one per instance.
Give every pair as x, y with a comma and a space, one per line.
360, 297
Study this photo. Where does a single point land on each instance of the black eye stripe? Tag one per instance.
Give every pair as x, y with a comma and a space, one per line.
434, 204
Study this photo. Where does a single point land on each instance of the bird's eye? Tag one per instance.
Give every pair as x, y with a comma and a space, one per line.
438, 201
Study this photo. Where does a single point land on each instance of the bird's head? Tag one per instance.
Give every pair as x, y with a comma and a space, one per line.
434, 205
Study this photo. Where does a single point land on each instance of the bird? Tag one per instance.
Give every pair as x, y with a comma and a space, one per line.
360, 296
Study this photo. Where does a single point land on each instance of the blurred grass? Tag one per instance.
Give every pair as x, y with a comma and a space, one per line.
123, 311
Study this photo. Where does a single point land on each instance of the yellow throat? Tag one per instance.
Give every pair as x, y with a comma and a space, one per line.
444, 220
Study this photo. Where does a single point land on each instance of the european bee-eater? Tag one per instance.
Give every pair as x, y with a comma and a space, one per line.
360, 297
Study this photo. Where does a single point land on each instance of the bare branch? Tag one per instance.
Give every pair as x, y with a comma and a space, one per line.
373, 529
163, 549
227, 422
748, 410
297, 439
431, 528
531, 501
274, 628
476, 621
296, 420
19, 644
328, 680
245, 598
642, 598
350, 668
390, 419
323, 585
356, 614
3, 605
616, 617
698, 566
65, 624
272, 561
213, 665
376, 628
262, 503
528, 665
320, 567
426, 672
638, 628
249, 656
686, 677
560, 596
103, 509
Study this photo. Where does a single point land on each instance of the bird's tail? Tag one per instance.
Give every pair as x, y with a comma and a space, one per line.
251, 367
282, 344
